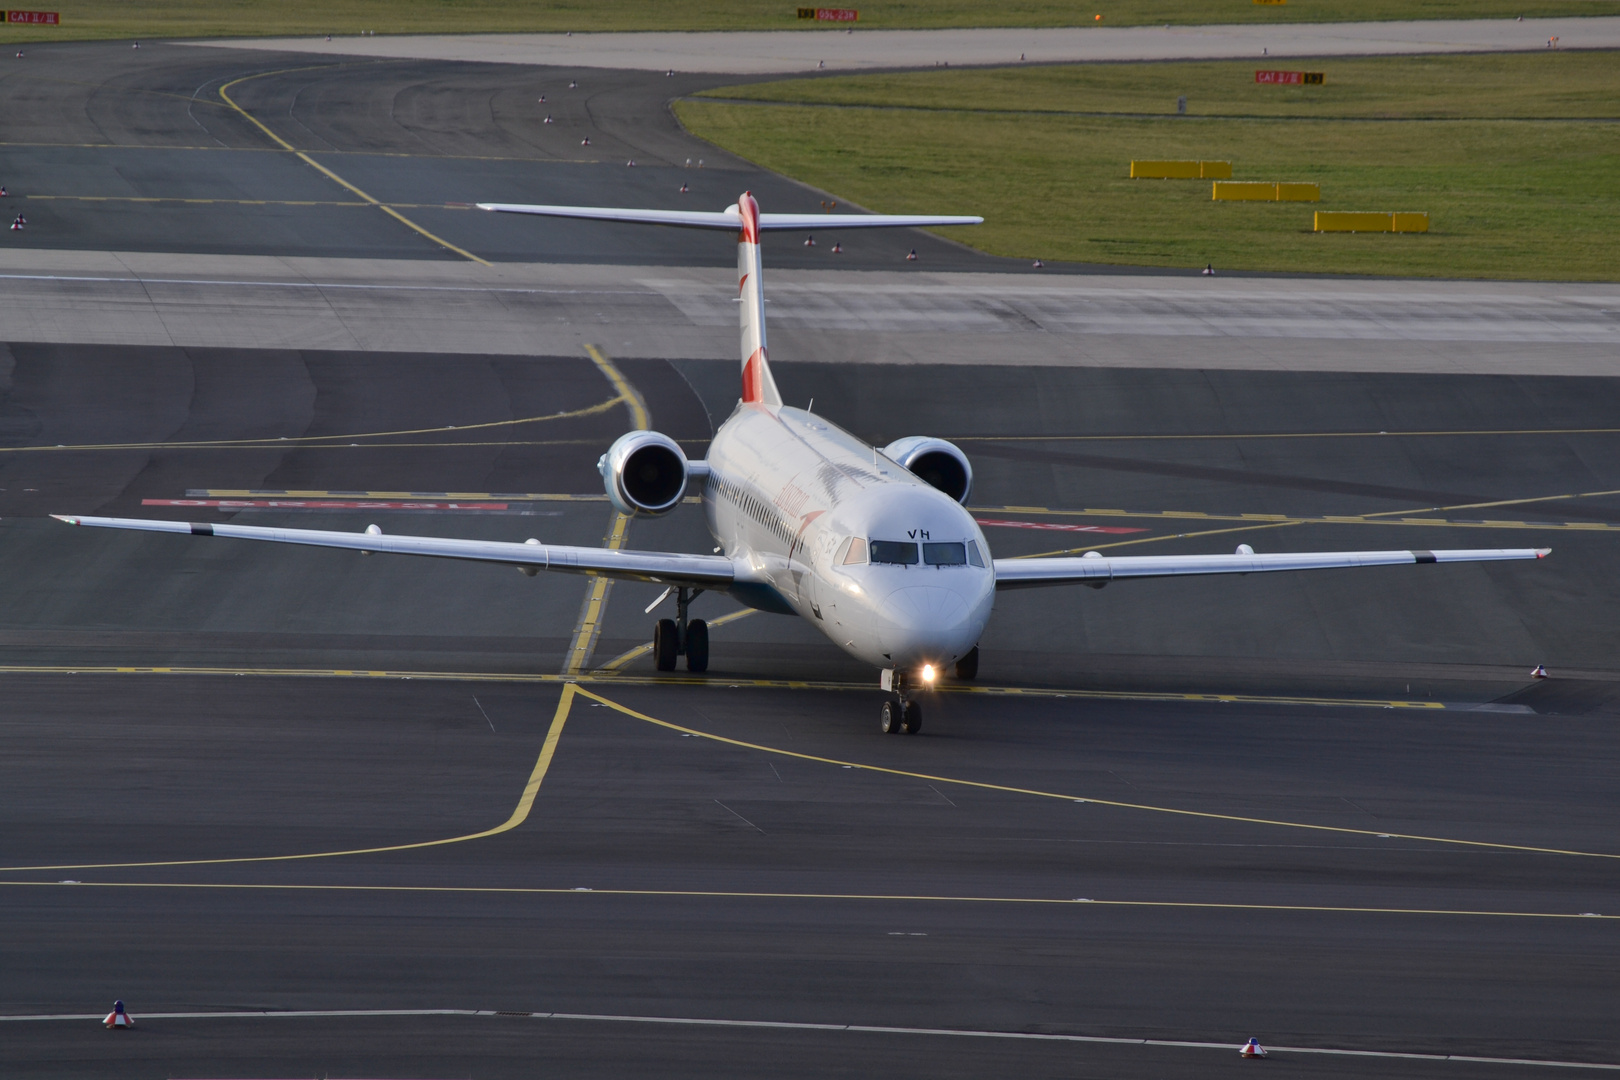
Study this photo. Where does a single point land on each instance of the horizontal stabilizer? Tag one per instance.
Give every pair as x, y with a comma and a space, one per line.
731, 220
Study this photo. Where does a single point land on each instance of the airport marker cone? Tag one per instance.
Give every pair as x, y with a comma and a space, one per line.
1253, 1049
572, 83
16, 226
118, 1019
2, 191
684, 189
586, 141
1539, 673
542, 99
547, 120
1038, 265
1209, 271
838, 249
810, 241
913, 256
630, 164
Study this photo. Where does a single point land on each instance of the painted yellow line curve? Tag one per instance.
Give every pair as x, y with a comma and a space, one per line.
519, 815
723, 682
985, 786
592, 611
313, 442
317, 166
719, 894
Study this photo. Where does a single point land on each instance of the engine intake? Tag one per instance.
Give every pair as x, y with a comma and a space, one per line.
935, 462
645, 472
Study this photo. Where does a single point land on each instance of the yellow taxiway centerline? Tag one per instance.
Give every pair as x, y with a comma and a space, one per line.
304, 442
743, 894
519, 815
328, 173
592, 611
574, 689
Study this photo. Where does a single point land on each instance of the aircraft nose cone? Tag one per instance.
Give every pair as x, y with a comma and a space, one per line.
927, 623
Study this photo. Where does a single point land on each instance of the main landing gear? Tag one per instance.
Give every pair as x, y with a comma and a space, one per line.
901, 714
676, 637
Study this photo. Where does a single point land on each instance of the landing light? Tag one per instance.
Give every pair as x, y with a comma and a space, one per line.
928, 673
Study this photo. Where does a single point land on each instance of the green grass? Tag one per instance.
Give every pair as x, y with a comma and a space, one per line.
90, 19
1495, 86
1507, 198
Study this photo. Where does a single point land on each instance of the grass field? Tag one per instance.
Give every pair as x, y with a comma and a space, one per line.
1519, 179
88, 19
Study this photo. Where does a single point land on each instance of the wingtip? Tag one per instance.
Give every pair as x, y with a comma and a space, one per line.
1542, 553
66, 518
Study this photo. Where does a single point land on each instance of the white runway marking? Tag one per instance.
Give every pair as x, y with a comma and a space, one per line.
866, 1029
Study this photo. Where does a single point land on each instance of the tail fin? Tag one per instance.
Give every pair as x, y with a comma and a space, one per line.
757, 384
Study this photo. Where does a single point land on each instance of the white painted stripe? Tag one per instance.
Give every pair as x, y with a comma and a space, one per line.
323, 285
864, 1029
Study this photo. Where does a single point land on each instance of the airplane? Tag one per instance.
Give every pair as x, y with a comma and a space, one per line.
874, 547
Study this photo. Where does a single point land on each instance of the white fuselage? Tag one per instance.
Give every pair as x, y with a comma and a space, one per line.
819, 523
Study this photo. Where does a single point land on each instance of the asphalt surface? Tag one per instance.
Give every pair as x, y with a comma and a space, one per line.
1385, 839
833, 48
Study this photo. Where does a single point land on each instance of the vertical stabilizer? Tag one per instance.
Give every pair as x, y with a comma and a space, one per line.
757, 384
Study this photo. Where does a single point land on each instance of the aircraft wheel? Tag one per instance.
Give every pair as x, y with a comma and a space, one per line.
697, 646
891, 717
967, 668
664, 647
911, 719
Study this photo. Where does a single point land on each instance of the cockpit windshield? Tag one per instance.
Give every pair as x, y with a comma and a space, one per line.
953, 554
898, 552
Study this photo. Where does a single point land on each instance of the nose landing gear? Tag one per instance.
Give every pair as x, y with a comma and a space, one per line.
676, 637
901, 714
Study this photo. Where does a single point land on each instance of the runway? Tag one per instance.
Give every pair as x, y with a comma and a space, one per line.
833, 49
309, 813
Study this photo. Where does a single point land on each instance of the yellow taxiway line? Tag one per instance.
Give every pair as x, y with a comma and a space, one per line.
328, 173
575, 689
719, 682
744, 894
594, 608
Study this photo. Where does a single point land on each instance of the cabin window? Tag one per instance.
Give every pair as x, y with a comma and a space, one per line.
974, 558
951, 554
851, 552
900, 552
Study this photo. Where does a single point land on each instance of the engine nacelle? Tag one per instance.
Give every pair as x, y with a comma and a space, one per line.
935, 462
645, 472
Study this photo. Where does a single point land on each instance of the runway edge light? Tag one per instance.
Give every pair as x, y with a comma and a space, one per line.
118, 1019
1253, 1049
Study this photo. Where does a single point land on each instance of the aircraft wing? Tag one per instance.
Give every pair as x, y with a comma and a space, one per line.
1099, 570
664, 568
730, 219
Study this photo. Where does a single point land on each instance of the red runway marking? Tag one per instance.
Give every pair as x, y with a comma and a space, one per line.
998, 523
320, 504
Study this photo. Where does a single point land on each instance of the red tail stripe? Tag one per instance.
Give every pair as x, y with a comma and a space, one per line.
748, 209
753, 378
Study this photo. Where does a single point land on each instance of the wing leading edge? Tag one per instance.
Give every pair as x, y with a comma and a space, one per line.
1099, 570
664, 568
730, 219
